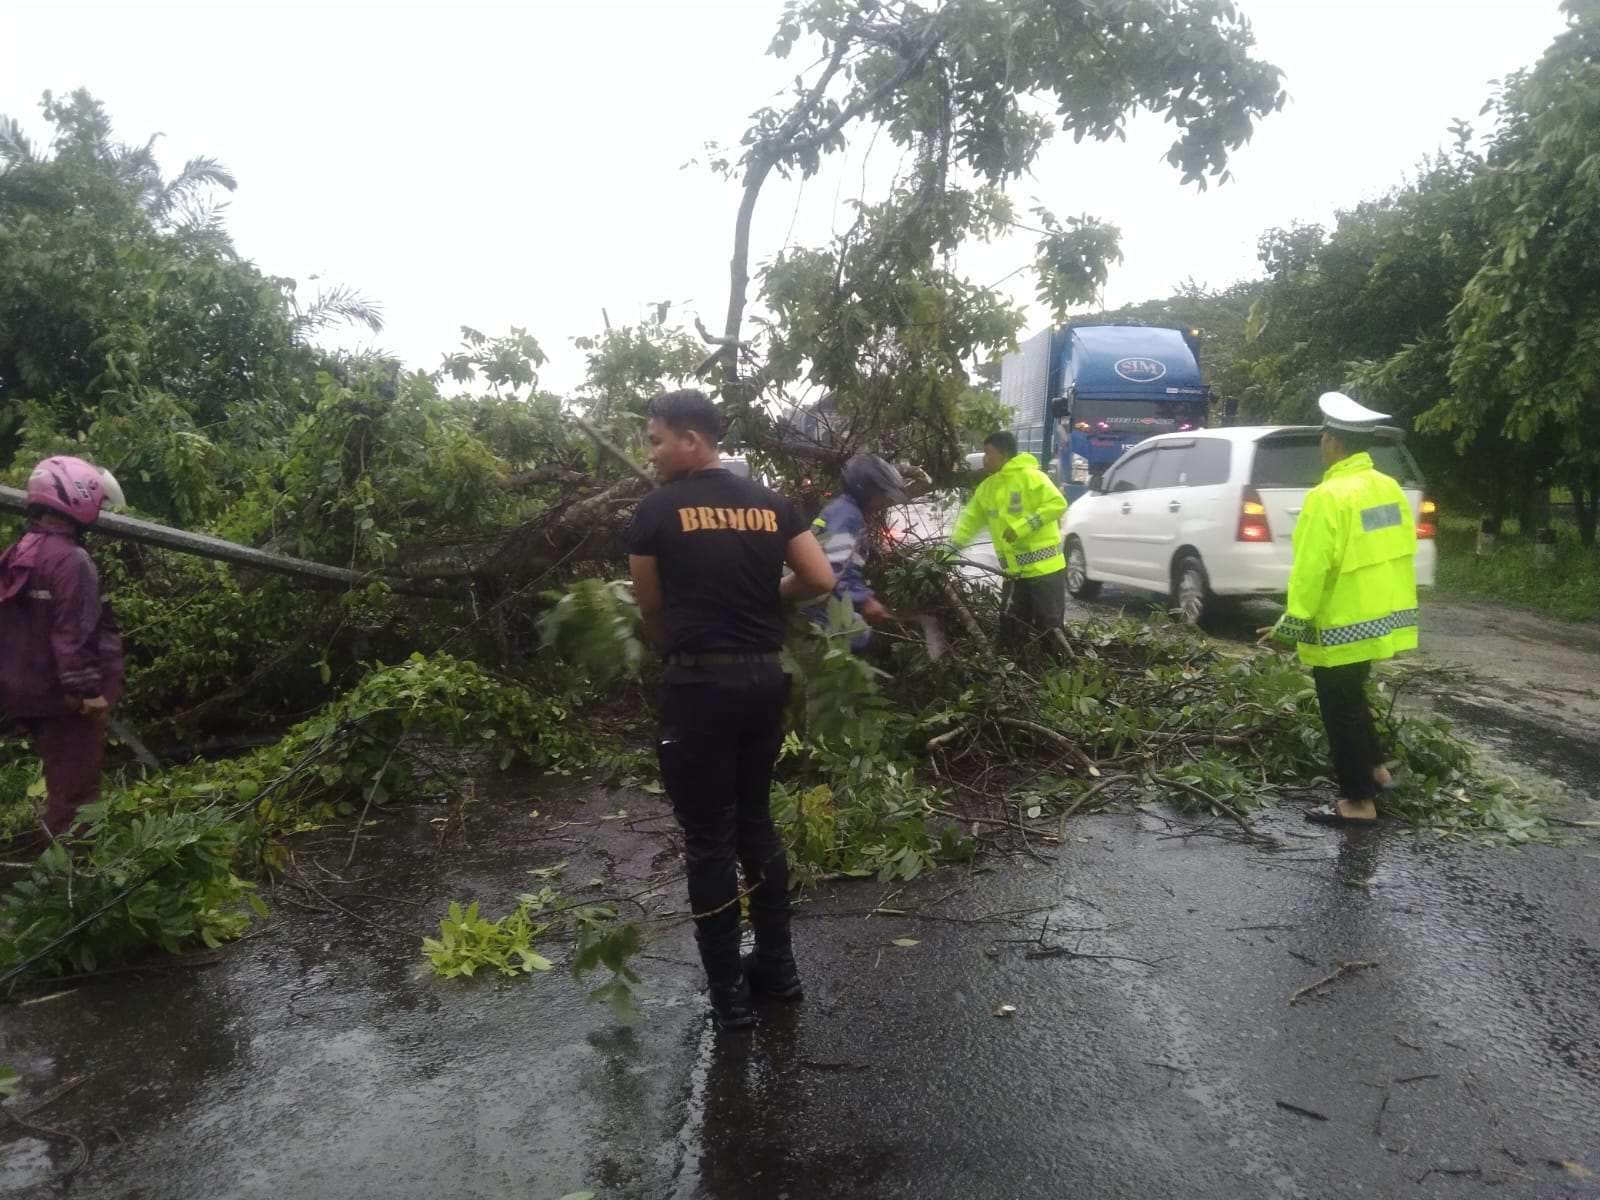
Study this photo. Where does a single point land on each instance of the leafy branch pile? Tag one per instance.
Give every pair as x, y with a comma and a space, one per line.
169, 858
1142, 709
891, 769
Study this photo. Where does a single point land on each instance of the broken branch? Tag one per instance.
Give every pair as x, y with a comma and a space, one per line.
613, 450
1228, 811
1339, 972
1298, 1111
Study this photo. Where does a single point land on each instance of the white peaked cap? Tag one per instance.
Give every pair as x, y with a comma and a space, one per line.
1341, 412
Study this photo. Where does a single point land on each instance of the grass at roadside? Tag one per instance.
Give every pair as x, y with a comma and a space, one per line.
1565, 585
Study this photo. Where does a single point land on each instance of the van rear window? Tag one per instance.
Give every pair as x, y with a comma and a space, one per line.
1296, 462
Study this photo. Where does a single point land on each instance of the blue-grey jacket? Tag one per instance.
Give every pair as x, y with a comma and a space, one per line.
841, 527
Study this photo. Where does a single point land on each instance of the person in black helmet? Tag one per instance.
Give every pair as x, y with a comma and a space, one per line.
707, 552
870, 486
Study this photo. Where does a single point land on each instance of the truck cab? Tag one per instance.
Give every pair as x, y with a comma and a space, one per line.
1081, 395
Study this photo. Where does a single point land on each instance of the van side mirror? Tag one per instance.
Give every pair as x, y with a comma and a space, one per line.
1097, 481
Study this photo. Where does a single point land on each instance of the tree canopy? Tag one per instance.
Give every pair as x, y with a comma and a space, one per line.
973, 91
1524, 362
1464, 301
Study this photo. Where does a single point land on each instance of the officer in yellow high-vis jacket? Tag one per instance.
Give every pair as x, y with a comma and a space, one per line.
1352, 597
1023, 510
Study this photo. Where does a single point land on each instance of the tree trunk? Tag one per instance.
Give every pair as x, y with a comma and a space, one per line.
739, 267
1534, 511
1585, 502
1593, 505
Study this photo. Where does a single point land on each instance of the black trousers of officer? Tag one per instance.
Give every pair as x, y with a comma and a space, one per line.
1030, 608
719, 734
1352, 733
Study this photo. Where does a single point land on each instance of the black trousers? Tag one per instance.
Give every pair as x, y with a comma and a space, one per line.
1352, 733
1031, 608
719, 734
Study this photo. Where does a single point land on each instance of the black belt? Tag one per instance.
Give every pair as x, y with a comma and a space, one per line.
721, 660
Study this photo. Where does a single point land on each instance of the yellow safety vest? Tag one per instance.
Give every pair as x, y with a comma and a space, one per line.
1353, 586
1020, 497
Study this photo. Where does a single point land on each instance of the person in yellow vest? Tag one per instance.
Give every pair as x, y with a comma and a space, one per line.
1352, 598
1023, 510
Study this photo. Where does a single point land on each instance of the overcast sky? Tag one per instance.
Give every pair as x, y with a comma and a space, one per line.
532, 164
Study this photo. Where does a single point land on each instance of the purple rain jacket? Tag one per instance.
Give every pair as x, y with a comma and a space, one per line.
58, 640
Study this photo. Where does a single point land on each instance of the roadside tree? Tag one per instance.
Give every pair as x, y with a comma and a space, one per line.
1524, 354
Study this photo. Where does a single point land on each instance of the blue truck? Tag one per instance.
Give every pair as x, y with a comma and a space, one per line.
1079, 395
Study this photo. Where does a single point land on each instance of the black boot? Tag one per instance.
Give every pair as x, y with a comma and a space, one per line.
771, 970
731, 1005
718, 940
773, 974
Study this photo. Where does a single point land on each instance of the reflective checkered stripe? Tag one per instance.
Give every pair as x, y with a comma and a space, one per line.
1365, 631
1038, 556
1297, 629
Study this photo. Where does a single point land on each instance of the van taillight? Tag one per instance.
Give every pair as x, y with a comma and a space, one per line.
1428, 519
1253, 518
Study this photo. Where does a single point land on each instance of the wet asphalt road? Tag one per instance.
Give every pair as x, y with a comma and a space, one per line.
1150, 963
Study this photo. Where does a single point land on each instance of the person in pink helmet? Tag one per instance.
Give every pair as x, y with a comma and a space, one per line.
60, 652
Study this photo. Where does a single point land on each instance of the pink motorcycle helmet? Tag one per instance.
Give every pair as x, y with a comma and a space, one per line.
75, 489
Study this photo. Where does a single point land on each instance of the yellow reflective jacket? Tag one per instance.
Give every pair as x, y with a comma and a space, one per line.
1021, 498
1353, 586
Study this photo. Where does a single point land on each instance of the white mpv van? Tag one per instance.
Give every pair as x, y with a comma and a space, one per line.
1211, 513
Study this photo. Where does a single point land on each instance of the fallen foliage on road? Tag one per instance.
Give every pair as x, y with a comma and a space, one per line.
898, 761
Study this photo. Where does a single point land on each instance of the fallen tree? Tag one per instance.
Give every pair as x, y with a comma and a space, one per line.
894, 765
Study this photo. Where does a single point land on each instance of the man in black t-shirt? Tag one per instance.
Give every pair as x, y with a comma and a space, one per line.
707, 552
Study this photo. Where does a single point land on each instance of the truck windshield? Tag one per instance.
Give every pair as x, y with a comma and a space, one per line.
1136, 418
1296, 462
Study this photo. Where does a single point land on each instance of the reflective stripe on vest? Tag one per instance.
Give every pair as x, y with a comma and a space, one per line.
1382, 516
1037, 556
1305, 632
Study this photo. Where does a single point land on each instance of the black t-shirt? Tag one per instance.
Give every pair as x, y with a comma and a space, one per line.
719, 542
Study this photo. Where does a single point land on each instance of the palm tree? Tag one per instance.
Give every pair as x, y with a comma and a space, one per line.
15, 148
337, 305
83, 137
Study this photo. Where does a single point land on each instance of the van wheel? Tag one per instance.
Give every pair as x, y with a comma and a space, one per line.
1192, 600
1079, 584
